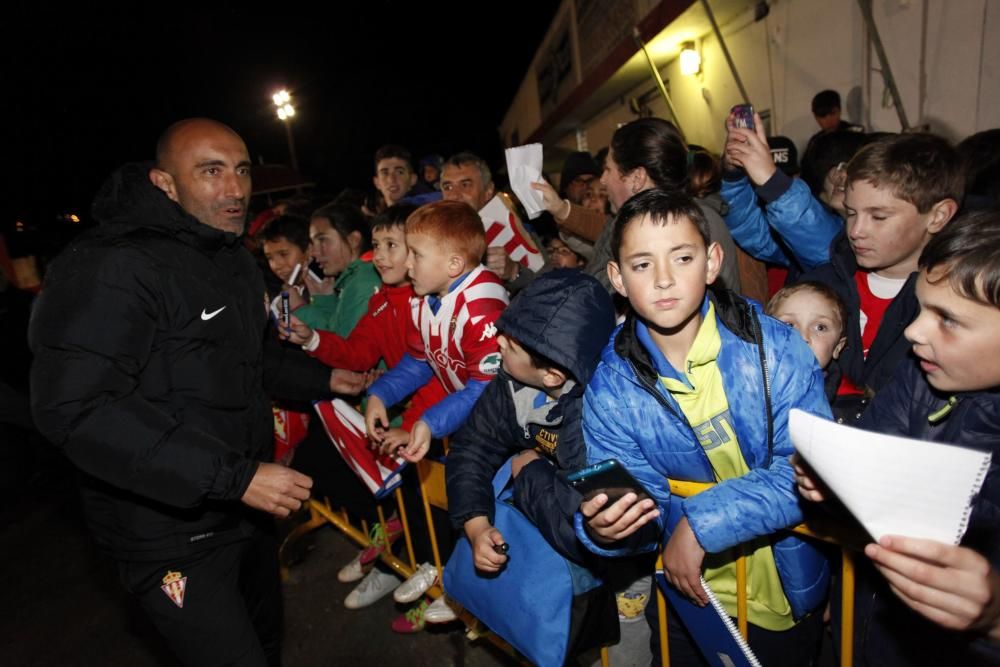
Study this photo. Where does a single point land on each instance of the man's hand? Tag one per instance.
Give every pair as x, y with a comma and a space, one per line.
420, 442
343, 381
297, 332
324, 286
624, 517
748, 149
951, 585
376, 419
809, 485
483, 537
551, 201
682, 559
277, 490
499, 263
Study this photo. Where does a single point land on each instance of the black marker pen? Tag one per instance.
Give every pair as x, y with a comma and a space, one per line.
286, 310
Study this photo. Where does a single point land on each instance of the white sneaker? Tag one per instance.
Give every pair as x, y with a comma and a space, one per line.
375, 586
439, 612
417, 584
353, 571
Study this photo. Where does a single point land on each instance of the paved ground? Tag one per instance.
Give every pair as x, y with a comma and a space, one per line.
62, 604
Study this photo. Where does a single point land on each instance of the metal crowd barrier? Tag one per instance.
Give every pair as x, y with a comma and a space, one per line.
817, 529
432, 491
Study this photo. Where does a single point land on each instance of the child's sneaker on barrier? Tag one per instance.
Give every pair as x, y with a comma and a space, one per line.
439, 612
418, 583
377, 538
413, 620
375, 586
353, 571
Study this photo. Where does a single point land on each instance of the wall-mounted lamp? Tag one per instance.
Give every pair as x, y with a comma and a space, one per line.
690, 59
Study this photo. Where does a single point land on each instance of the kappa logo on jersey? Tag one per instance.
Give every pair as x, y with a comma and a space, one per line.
174, 585
489, 331
490, 364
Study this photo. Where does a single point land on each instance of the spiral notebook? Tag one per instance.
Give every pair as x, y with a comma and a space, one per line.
893, 485
711, 627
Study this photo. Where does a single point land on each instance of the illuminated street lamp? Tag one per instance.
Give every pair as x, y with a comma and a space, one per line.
283, 103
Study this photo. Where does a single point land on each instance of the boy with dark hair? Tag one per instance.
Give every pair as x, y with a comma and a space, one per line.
947, 393
454, 332
394, 174
285, 244
697, 385
380, 335
901, 190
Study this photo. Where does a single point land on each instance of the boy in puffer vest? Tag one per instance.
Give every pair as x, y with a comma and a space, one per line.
550, 338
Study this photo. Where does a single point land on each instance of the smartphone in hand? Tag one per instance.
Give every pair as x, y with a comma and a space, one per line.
609, 477
315, 271
743, 116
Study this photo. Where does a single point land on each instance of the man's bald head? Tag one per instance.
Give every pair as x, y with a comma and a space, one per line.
203, 165
175, 137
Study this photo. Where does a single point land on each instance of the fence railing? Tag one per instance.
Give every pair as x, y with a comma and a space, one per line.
432, 493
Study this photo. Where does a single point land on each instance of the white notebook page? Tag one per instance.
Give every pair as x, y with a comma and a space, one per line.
893, 485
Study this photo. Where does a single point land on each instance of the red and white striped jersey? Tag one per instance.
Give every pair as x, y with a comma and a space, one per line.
459, 342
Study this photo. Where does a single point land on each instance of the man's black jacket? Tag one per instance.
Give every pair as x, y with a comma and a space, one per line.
149, 361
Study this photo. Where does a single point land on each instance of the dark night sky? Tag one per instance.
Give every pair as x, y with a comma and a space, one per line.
88, 88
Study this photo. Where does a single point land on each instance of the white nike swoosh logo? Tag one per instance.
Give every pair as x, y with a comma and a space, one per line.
207, 316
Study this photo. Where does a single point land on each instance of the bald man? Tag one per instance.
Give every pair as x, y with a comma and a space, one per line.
149, 369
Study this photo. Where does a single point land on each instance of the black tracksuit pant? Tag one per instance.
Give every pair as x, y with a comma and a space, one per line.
227, 611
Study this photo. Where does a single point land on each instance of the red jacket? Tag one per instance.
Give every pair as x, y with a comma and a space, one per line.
380, 334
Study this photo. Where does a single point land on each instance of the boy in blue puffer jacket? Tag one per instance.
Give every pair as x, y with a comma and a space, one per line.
721, 416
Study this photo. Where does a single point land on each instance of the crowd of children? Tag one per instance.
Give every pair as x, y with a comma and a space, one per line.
886, 321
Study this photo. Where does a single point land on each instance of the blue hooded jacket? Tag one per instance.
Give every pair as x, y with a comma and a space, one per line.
767, 370
565, 316
793, 230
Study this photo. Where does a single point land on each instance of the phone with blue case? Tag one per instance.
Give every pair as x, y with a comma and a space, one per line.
609, 477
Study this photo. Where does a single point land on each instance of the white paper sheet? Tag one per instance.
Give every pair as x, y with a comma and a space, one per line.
893, 485
524, 167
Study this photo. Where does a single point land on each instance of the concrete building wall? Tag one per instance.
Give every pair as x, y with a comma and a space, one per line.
804, 46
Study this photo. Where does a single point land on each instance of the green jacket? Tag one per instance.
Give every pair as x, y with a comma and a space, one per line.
340, 311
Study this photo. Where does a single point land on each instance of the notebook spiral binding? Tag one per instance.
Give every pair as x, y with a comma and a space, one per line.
977, 484
727, 619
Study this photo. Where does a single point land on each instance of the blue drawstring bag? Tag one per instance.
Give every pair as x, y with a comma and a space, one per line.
542, 604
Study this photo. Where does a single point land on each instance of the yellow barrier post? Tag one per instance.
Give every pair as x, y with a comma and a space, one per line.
847, 610
849, 539
406, 528
661, 608
741, 592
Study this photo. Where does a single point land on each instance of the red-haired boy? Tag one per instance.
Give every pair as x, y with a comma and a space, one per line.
454, 333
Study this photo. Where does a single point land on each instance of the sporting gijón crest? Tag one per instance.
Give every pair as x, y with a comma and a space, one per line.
174, 585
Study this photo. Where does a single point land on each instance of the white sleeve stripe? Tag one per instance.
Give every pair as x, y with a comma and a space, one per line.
484, 290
